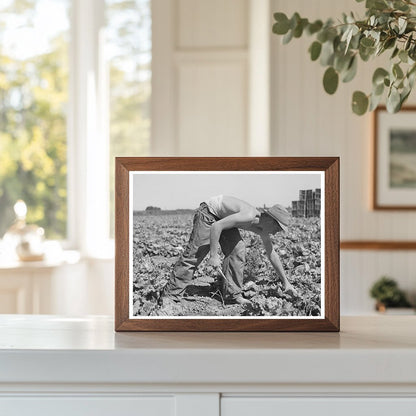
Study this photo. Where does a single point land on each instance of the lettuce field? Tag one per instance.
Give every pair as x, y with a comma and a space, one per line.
158, 241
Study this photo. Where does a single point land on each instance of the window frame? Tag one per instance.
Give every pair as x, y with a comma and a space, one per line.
87, 133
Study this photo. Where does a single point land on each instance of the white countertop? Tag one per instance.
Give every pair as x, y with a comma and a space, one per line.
53, 349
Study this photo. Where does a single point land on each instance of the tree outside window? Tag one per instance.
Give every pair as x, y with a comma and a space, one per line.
34, 102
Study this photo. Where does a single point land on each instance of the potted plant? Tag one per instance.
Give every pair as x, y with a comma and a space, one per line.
389, 27
387, 294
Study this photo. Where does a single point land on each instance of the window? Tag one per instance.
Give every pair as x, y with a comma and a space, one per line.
33, 99
75, 87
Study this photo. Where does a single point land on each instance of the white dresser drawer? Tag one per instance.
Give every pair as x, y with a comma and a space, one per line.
87, 406
273, 406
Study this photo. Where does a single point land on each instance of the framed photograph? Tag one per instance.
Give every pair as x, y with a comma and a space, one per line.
395, 159
227, 244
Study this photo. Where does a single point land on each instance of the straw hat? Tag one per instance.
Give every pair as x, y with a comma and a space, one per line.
280, 214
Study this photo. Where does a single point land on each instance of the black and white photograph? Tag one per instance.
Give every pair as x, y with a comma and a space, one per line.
226, 244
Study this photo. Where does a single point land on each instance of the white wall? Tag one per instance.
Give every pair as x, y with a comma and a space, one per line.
308, 122
202, 84
211, 92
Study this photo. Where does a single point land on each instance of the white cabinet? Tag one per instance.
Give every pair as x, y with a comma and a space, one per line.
53, 365
88, 406
270, 406
202, 405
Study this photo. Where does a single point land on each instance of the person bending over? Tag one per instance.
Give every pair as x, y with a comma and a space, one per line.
216, 223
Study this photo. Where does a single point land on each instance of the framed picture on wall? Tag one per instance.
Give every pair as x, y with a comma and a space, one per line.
394, 179
227, 244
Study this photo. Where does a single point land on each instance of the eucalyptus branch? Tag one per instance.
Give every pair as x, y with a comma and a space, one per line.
389, 25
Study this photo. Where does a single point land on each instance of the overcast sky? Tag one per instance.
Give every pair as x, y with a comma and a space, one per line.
188, 190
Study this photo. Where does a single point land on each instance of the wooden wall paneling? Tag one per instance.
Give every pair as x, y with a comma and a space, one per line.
212, 103
212, 24
200, 77
163, 103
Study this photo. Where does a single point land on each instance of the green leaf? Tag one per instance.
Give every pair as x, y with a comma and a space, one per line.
395, 53
359, 103
332, 33
294, 20
355, 41
330, 80
281, 27
411, 76
403, 56
374, 101
322, 36
412, 70
337, 42
393, 101
379, 75
288, 37
366, 53
298, 30
412, 52
342, 62
400, 5
366, 48
367, 42
314, 27
351, 71
383, 19
397, 71
315, 50
327, 53
378, 89
399, 85
404, 95
389, 43
376, 4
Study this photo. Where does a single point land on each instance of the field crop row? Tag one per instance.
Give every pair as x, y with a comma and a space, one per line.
158, 240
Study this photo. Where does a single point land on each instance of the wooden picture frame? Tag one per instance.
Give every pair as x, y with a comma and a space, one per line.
135, 176
394, 175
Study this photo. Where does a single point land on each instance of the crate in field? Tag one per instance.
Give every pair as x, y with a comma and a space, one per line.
309, 204
316, 195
